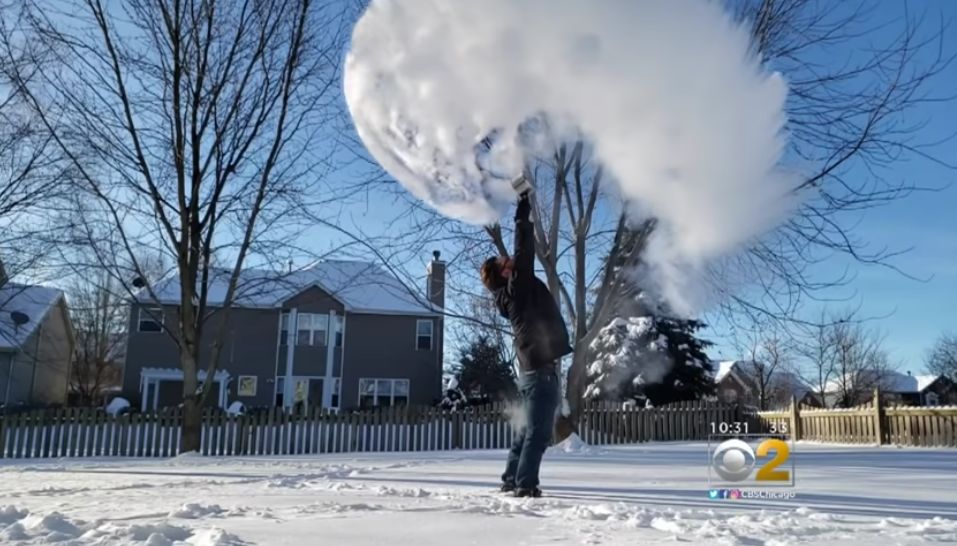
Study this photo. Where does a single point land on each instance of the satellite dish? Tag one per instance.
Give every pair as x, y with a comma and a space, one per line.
19, 318
138, 282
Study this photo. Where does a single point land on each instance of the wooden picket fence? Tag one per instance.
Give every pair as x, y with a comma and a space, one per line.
870, 423
608, 423
85, 432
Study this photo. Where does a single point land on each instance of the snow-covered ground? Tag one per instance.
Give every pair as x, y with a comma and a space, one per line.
645, 494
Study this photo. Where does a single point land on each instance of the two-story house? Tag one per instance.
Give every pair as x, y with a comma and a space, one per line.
340, 334
741, 381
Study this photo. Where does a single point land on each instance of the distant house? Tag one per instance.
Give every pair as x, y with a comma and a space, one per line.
740, 381
340, 334
896, 388
36, 345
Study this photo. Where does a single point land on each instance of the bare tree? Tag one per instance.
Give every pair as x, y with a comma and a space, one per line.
846, 117
818, 353
195, 128
99, 315
31, 175
942, 357
770, 368
861, 364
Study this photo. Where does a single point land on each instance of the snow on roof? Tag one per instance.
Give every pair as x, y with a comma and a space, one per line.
890, 382
721, 369
33, 301
746, 370
361, 287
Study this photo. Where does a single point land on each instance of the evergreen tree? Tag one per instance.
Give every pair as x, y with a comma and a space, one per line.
658, 359
482, 372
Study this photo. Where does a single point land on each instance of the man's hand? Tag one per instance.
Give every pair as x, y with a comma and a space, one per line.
522, 186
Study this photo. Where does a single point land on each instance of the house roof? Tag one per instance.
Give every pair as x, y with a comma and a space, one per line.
33, 301
361, 287
746, 371
722, 369
891, 382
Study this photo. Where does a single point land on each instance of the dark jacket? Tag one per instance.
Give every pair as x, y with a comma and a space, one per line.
541, 337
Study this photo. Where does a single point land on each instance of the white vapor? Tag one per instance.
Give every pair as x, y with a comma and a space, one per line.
682, 115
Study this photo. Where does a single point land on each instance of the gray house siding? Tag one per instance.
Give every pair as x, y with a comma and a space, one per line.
310, 360
249, 348
5, 370
384, 347
16, 375
52, 352
374, 346
39, 373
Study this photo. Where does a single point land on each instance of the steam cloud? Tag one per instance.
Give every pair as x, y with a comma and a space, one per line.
686, 121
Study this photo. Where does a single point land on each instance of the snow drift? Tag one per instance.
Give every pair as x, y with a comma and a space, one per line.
669, 96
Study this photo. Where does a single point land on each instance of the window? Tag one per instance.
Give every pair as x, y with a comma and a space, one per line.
423, 335
311, 329
306, 390
247, 385
337, 327
383, 392
400, 393
284, 329
932, 399
151, 319
336, 389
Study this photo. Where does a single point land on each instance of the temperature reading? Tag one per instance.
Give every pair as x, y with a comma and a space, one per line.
778, 427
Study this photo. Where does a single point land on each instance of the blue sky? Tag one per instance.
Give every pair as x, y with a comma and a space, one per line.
914, 312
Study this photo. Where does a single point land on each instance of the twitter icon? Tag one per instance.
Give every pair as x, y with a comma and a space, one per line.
714, 494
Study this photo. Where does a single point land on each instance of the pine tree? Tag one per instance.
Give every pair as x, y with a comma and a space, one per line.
690, 378
658, 359
482, 372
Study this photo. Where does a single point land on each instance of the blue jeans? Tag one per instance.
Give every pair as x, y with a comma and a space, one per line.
540, 393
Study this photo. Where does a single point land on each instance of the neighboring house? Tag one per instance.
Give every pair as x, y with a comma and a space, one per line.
739, 381
896, 388
36, 345
358, 338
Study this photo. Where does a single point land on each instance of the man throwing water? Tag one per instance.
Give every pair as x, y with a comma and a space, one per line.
541, 340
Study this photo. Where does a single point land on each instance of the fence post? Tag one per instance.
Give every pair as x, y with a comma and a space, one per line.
456, 418
796, 431
878, 416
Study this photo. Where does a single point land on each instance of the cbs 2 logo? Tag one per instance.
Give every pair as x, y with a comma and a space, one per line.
734, 460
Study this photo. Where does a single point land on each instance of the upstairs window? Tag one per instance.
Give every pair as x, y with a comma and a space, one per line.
312, 329
151, 319
423, 335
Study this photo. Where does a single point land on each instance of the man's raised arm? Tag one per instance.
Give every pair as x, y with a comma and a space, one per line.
524, 269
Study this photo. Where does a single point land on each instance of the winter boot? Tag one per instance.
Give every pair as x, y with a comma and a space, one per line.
533, 492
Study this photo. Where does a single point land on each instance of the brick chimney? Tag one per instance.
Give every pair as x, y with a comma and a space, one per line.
435, 283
